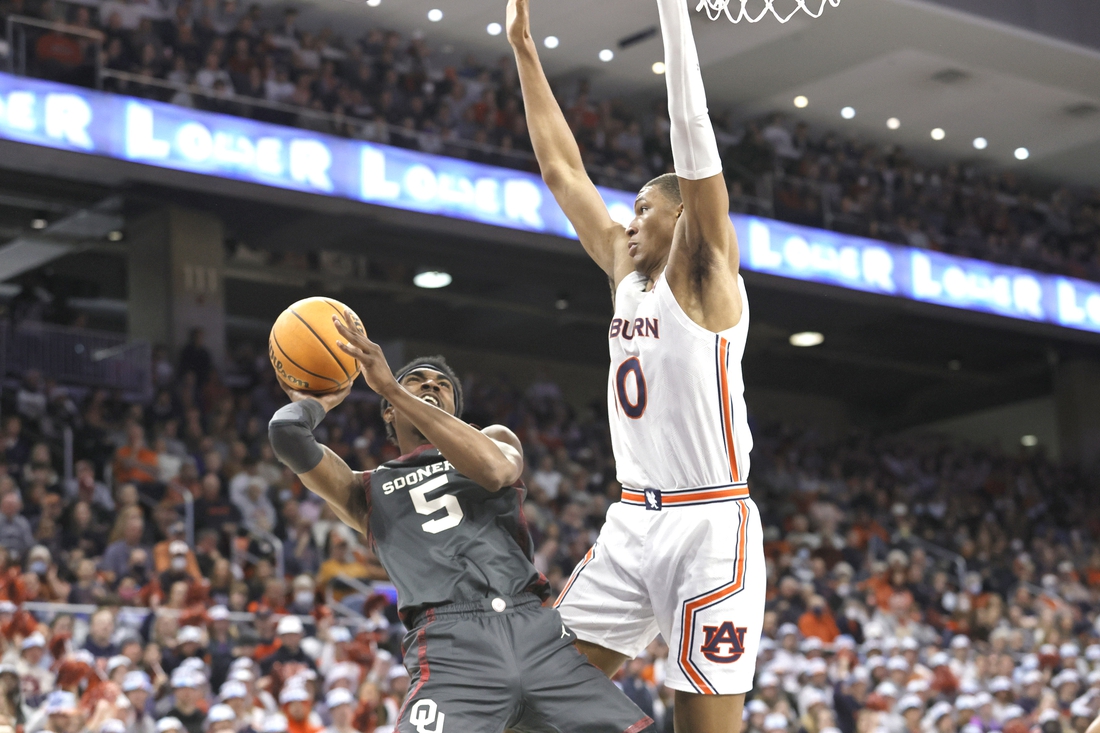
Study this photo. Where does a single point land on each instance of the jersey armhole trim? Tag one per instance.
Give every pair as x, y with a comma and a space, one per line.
682, 316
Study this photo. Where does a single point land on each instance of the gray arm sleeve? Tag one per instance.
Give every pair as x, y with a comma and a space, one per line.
291, 434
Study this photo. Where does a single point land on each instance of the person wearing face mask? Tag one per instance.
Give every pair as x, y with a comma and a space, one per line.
305, 596
164, 559
818, 621
177, 565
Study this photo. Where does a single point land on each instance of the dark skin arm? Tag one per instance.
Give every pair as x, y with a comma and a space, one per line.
492, 458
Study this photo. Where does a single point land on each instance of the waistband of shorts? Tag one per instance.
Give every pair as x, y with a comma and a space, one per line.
483, 607
658, 499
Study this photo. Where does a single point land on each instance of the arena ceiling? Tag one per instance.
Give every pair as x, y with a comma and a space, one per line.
926, 64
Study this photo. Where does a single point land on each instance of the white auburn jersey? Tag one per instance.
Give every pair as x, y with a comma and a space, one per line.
675, 394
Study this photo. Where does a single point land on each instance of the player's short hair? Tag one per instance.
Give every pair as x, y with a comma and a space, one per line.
439, 364
669, 186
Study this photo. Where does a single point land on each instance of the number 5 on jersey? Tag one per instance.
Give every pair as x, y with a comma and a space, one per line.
630, 375
428, 506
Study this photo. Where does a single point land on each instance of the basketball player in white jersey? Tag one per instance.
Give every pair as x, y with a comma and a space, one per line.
682, 553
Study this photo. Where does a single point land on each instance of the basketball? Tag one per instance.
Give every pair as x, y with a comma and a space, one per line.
303, 351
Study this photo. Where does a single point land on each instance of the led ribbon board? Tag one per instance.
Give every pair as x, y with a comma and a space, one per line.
69, 118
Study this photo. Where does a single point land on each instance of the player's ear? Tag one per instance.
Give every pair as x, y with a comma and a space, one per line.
679, 211
388, 414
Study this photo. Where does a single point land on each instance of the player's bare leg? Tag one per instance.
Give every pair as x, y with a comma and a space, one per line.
608, 661
708, 713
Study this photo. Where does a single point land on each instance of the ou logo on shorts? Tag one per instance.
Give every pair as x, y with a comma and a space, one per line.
423, 714
726, 635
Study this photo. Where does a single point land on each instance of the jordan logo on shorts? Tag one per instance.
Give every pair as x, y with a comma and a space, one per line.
653, 500
726, 635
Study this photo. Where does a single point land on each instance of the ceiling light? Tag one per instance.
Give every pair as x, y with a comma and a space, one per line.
561, 304
435, 15
938, 134
806, 339
659, 68
954, 365
432, 279
1022, 153
1029, 441
893, 123
39, 223
606, 55
848, 113
551, 42
494, 29
980, 143
374, 3
114, 236
801, 101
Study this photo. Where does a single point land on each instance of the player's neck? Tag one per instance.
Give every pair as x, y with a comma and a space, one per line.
409, 443
654, 274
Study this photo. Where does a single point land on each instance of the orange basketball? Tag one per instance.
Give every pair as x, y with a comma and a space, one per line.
303, 350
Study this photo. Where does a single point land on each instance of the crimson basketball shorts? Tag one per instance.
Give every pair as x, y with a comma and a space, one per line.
686, 564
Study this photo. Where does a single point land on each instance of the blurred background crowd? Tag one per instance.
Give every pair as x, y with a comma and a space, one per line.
182, 578
221, 56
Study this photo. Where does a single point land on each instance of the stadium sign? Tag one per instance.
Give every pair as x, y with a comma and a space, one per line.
167, 136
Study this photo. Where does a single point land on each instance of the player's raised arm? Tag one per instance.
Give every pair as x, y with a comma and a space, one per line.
559, 157
321, 471
492, 458
695, 154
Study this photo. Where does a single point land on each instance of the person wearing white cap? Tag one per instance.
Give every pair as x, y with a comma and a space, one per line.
335, 649
343, 674
187, 687
112, 725
341, 706
755, 712
170, 724
236, 695
37, 680
274, 724
815, 686
137, 688
911, 709
776, 723
221, 719
290, 631
296, 703
118, 667
1067, 685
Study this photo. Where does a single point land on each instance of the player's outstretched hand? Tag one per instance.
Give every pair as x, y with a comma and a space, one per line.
519, 22
372, 362
328, 400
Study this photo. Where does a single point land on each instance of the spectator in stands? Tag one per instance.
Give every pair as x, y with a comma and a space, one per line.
186, 695
135, 462
84, 487
15, 530
195, 357
119, 557
101, 629
289, 657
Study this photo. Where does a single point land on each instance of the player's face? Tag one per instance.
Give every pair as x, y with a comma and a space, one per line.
651, 230
432, 387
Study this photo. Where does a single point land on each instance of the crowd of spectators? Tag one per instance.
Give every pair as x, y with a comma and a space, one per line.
916, 585
219, 55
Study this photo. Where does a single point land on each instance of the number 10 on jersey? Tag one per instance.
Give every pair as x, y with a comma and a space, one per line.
630, 387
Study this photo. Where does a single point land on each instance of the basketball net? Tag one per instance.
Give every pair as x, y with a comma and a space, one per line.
715, 9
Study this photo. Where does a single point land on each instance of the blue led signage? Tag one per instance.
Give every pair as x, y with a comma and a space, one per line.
68, 118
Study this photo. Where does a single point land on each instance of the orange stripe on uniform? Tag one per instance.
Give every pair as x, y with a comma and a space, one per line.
735, 493
715, 596
727, 416
577, 571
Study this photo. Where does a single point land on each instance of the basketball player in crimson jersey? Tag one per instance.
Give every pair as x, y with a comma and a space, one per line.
483, 653
682, 553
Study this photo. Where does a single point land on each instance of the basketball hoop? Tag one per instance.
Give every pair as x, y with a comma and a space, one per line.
715, 9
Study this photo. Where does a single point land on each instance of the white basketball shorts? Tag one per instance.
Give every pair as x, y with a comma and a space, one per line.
687, 564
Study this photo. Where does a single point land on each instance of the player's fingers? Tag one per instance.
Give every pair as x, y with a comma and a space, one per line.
353, 351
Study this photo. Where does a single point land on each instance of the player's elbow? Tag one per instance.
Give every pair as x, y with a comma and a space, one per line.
500, 477
557, 175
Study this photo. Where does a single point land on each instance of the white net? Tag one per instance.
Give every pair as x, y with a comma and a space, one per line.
717, 8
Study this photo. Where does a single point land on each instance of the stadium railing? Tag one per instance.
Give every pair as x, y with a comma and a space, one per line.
79, 356
22, 32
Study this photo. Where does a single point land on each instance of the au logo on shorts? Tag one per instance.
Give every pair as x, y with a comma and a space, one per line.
653, 500
719, 638
425, 713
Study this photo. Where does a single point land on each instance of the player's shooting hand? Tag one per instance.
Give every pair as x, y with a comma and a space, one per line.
328, 401
519, 22
372, 362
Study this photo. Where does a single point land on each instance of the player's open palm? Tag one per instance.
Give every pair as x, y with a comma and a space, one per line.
519, 22
372, 362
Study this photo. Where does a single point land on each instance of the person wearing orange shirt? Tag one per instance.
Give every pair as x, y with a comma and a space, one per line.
818, 621
164, 559
135, 462
297, 706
